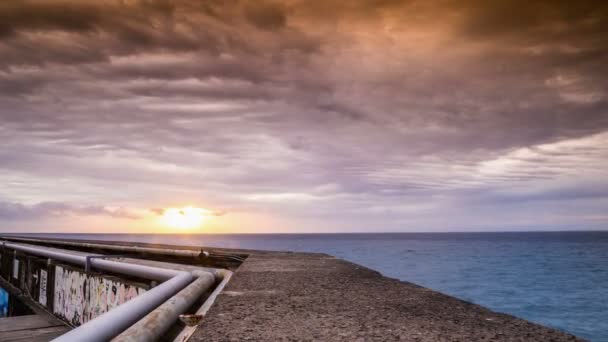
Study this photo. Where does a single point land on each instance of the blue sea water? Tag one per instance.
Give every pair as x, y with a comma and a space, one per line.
558, 279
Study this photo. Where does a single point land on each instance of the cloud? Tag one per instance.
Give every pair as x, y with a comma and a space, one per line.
161, 211
17, 211
543, 19
266, 16
255, 105
41, 15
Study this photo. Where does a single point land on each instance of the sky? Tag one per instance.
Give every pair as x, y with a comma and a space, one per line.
300, 116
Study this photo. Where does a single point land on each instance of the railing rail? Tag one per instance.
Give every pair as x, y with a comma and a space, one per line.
112, 323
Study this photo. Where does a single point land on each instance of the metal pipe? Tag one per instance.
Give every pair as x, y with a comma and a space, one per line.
121, 248
115, 321
140, 271
132, 249
185, 334
159, 321
112, 323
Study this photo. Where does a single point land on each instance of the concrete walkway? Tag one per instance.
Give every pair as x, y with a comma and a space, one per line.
315, 297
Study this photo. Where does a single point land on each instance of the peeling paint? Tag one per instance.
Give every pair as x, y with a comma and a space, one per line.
80, 297
16, 268
43, 283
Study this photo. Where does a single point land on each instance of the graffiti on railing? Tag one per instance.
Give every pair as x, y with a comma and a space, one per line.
42, 287
80, 297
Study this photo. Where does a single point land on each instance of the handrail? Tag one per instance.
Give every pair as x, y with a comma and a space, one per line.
112, 323
122, 248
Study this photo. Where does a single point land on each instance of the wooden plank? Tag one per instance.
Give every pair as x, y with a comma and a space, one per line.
25, 322
42, 338
40, 334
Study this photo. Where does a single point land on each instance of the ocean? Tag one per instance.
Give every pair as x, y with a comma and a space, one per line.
558, 279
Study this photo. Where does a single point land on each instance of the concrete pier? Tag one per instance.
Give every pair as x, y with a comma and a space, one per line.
282, 296
316, 297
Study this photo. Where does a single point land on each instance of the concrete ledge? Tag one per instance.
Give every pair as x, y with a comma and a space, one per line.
315, 297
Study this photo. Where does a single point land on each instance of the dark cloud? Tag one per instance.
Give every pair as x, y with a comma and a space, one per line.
73, 16
545, 19
83, 16
266, 16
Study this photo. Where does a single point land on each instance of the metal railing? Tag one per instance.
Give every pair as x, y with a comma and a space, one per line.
163, 304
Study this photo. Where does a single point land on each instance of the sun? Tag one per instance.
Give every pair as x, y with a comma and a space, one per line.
184, 218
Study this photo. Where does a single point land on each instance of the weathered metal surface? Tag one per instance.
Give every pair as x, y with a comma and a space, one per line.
88, 267
185, 334
112, 323
120, 248
16, 268
191, 320
214, 258
102, 308
42, 289
80, 297
156, 323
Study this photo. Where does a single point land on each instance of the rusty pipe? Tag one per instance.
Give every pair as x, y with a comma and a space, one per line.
159, 321
187, 332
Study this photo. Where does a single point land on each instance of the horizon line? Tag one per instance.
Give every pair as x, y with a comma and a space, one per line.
327, 233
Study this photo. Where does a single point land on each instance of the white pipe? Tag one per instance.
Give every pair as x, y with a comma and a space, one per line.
129, 249
120, 248
113, 322
159, 321
140, 271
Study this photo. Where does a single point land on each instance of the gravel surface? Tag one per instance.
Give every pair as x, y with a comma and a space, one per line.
315, 297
